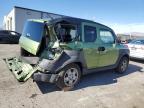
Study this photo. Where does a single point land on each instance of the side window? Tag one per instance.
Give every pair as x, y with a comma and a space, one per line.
89, 34
106, 36
66, 32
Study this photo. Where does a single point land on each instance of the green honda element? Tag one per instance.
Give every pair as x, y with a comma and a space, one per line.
61, 50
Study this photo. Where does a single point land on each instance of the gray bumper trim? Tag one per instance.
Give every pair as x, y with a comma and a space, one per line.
45, 77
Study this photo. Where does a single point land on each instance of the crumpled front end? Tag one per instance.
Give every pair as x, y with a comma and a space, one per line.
20, 69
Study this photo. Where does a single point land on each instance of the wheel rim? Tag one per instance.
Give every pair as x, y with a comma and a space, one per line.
71, 76
124, 65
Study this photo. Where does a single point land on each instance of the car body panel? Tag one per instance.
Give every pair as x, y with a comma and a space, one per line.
97, 58
109, 56
31, 46
91, 53
21, 70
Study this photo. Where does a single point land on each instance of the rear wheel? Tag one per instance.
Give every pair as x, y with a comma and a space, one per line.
69, 77
122, 66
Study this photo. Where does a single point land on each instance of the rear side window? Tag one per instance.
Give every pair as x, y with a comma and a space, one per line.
89, 34
107, 36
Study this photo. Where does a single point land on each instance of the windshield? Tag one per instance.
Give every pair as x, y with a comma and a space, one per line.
33, 30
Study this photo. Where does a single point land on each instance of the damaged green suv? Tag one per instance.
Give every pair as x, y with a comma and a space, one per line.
61, 50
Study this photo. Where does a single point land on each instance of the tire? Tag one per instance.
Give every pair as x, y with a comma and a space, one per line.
68, 79
122, 66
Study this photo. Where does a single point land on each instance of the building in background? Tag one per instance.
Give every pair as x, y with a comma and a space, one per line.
125, 38
18, 15
131, 36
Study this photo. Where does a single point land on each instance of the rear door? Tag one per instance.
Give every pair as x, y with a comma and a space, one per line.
89, 37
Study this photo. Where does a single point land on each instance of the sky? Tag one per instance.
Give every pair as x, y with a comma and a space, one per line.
121, 15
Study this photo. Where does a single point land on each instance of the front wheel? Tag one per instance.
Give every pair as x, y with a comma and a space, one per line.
122, 66
69, 76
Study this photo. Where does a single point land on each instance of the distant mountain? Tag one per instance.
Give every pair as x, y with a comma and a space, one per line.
137, 34
134, 34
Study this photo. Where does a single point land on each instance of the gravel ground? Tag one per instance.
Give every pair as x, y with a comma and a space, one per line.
100, 90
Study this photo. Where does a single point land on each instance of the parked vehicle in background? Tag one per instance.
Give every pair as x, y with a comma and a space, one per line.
136, 48
9, 37
67, 48
126, 41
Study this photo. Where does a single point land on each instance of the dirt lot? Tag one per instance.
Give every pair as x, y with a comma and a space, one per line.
99, 90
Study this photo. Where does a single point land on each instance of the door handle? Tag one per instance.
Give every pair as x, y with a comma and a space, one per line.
101, 49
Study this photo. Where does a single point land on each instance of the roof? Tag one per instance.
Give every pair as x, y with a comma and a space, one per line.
67, 19
76, 21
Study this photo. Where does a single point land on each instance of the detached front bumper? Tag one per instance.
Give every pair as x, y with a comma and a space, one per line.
20, 69
23, 71
45, 77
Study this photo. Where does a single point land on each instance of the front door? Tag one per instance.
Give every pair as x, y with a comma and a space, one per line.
108, 48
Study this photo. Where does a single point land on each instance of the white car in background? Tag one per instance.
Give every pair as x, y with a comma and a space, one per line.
136, 48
